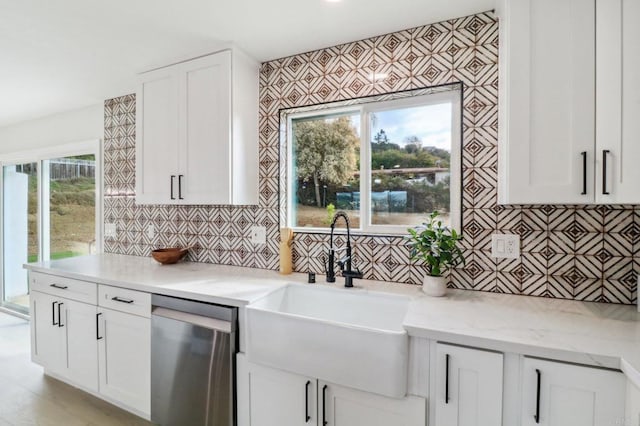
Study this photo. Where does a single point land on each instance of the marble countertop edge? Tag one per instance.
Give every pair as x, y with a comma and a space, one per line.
589, 333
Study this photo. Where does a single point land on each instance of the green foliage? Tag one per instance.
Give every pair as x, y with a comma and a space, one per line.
381, 137
436, 245
325, 151
391, 158
55, 256
331, 210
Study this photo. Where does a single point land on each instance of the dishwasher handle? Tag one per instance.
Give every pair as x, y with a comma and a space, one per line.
201, 321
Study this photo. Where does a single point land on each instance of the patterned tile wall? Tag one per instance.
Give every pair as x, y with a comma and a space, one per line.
573, 252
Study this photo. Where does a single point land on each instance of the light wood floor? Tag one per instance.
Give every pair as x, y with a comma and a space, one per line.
28, 397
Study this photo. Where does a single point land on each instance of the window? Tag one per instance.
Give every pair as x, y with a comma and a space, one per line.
387, 163
50, 210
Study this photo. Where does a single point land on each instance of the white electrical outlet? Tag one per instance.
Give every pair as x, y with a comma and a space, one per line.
258, 235
110, 230
505, 246
151, 231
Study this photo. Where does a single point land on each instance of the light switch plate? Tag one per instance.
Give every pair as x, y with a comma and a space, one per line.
505, 246
258, 235
110, 230
151, 231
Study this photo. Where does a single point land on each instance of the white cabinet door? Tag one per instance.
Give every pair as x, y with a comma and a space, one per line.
558, 394
468, 387
205, 132
48, 339
157, 137
632, 416
270, 397
618, 101
547, 133
196, 140
80, 324
342, 406
125, 358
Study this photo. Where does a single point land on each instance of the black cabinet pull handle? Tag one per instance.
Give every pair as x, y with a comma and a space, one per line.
53, 313
324, 404
537, 416
58, 286
306, 402
584, 172
172, 178
446, 379
122, 300
180, 187
604, 171
59, 317
98, 337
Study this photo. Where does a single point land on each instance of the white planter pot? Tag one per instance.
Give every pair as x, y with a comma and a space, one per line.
434, 286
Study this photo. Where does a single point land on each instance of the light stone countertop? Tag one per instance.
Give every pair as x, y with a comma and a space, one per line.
599, 334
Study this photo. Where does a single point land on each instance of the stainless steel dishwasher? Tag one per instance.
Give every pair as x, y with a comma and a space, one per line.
193, 347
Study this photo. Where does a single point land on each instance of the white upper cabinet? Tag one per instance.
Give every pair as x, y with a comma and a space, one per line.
568, 95
618, 101
197, 132
547, 101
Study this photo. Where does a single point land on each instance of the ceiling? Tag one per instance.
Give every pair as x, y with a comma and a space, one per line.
62, 55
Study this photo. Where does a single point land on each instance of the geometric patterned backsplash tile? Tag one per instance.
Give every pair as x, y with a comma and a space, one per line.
574, 252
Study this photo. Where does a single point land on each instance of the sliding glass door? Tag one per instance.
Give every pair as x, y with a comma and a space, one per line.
72, 206
49, 212
20, 231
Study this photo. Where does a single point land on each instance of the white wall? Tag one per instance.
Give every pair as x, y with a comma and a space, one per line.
71, 126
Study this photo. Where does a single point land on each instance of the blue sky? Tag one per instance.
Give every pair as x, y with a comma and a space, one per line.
431, 124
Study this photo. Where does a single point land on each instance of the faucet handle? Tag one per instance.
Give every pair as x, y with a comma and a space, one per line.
353, 274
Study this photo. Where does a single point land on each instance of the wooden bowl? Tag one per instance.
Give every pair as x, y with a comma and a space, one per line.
167, 256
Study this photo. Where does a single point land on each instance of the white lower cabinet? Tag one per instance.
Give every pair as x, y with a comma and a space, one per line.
82, 348
270, 397
64, 338
342, 406
468, 386
124, 358
559, 394
48, 339
101, 345
632, 414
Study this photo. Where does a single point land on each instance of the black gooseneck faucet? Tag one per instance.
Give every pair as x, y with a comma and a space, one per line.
345, 262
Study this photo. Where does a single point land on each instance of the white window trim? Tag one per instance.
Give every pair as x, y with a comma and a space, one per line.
453, 96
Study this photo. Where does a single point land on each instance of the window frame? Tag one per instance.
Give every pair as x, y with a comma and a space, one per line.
452, 93
41, 157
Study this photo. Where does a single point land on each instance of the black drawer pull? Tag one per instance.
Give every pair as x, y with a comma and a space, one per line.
121, 300
98, 337
59, 317
446, 380
58, 286
324, 404
584, 172
53, 313
180, 187
307, 417
537, 416
172, 178
604, 171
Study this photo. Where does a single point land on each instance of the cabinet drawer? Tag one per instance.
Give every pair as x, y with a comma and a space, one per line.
69, 288
125, 300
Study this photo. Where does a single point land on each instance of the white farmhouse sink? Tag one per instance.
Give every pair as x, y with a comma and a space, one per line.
347, 337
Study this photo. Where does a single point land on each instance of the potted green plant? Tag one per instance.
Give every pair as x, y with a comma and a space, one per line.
436, 245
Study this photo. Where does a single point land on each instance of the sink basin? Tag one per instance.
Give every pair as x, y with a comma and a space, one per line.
346, 337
